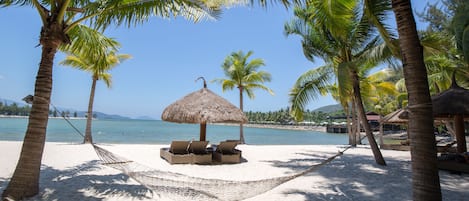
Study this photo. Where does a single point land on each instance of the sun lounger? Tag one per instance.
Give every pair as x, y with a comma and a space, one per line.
199, 152
227, 153
177, 153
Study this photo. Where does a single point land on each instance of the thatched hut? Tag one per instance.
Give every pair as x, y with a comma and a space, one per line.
202, 107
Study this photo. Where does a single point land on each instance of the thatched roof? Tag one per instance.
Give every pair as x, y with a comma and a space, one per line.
395, 117
454, 101
203, 106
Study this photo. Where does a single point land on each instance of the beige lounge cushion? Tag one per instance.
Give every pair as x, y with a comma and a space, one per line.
179, 147
227, 147
198, 147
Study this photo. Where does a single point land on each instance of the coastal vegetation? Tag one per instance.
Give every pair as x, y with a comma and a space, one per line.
99, 68
345, 39
14, 109
282, 116
245, 75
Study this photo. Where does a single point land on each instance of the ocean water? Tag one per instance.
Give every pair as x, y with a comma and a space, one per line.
161, 132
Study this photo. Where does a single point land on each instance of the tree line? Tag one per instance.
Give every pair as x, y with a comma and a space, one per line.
283, 117
14, 109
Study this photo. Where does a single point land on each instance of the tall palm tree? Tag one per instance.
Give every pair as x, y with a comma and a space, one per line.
99, 71
425, 178
343, 38
60, 20
244, 75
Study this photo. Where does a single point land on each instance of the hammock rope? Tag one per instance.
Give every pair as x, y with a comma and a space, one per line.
183, 187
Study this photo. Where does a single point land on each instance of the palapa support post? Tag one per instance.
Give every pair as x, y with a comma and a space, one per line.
459, 130
203, 131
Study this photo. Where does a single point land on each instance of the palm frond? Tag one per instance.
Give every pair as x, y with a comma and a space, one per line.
377, 12
89, 43
461, 30
308, 87
335, 15
133, 12
6, 3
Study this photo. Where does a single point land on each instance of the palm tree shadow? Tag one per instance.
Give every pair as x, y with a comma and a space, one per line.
350, 187
80, 183
300, 164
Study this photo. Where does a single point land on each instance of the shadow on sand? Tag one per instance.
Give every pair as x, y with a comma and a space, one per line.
77, 183
349, 187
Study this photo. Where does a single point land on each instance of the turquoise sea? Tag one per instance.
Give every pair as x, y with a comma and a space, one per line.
161, 132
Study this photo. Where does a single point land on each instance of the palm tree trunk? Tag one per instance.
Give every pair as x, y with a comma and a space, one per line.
362, 117
241, 133
88, 137
350, 129
358, 136
425, 179
25, 179
353, 126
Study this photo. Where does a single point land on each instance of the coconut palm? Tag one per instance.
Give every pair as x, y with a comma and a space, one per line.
60, 25
425, 179
343, 38
99, 71
379, 93
244, 75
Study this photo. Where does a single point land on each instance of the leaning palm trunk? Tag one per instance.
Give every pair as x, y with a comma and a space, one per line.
88, 137
25, 179
425, 179
362, 117
355, 123
350, 129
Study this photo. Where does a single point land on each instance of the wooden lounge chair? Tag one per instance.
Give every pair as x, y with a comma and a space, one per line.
199, 152
177, 153
227, 153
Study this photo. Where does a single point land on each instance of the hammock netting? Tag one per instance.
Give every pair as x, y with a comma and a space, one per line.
183, 187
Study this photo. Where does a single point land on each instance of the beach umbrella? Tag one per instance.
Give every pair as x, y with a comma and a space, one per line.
202, 107
453, 104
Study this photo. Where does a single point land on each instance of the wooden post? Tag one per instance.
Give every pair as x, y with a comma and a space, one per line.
203, 131
459, 130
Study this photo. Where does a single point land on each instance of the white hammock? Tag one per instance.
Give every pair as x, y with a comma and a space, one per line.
183, 187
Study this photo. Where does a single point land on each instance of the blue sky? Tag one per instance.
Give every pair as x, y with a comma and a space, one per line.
168, 55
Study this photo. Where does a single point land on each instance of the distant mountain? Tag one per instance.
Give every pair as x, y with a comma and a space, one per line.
99, 115
145, 118
329, 108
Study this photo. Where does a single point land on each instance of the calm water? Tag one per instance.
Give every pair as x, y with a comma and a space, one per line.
160, 132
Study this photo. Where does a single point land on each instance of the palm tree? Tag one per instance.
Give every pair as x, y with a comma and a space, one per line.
99, 71
344, 39
425, 179
60, 20
380, 93
244, 75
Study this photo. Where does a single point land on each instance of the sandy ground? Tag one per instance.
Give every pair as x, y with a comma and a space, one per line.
74, 172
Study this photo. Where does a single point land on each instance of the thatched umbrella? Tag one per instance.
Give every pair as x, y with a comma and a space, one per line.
202, 107
453, 104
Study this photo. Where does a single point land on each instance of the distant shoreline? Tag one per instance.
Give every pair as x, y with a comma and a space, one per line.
25, 117
284, 127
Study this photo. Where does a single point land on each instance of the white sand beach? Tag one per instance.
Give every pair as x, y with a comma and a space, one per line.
74, 172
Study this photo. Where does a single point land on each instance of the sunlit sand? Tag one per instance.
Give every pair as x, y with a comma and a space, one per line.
74, 172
